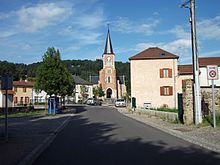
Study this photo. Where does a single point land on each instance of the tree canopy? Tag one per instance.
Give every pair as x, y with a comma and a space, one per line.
82, 68
52, 75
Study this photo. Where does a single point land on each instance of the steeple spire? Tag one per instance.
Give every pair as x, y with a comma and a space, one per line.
108, 44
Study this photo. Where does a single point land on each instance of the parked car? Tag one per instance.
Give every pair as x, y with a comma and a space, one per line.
94, 101
120, 103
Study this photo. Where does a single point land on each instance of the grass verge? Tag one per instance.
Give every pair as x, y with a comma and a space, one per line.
25, 114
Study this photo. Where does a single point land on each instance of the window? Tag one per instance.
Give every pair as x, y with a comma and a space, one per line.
15, 100
166, 91
109, 71
26, 100
21, 100
108, 79
24, 89
165, 73
109, 61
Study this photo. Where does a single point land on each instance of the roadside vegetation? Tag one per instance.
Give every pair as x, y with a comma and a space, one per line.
167, 110
208, 120
34, 113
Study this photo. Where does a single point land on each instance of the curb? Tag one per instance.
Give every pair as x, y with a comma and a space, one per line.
33, 155
206, 145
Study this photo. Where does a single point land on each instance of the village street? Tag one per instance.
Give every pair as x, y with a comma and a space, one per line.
101, 135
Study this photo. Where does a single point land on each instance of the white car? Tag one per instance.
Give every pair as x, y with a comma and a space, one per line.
120, 103
93, 101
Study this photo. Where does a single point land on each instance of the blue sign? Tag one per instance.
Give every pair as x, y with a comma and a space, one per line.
53, 104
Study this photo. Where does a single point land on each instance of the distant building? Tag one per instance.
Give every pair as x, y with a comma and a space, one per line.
112, 84
2, 98
23, 92
79, 82
39, 97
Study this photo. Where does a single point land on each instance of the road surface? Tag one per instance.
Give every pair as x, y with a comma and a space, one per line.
101, 135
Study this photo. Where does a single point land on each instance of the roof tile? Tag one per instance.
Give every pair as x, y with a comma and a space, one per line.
154, 53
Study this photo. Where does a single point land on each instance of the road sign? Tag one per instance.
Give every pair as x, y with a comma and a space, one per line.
6, 82
212, 72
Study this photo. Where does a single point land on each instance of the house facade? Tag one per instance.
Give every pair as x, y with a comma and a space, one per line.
39, 97
10, 98
79, 83
156, 77
23, 92
186, 72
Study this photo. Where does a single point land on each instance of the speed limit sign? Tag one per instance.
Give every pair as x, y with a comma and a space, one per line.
212, 72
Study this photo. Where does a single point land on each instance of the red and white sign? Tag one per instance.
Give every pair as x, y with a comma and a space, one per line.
212, 72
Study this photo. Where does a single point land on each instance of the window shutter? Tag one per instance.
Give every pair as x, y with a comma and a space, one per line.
161, 91
170, 73
161, 73
170, 91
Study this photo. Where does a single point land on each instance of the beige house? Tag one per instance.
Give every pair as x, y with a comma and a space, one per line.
23, 92
154, 75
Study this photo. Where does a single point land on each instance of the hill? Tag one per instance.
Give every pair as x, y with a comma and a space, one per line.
82, 68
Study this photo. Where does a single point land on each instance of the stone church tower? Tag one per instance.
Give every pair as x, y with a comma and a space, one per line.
112, 84
107, 75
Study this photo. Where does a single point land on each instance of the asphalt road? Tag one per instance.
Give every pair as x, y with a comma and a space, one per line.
101, 135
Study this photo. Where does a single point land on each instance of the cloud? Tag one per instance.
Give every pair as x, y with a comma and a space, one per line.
90, 20
5, 34
182, 45
4, 16
180, 32
209, 28
37, 17
124, 25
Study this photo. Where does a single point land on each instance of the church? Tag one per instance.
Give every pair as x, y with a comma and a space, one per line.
112, 84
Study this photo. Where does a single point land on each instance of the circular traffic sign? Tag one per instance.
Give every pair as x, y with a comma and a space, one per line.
212, 73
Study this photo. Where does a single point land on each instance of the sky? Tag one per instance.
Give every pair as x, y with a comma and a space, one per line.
78, 28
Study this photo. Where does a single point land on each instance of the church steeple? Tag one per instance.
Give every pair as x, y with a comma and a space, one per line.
108, 44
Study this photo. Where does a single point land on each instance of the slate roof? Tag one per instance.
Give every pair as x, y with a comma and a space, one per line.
121, 79
108, 45
94, 79
79, 81
153, 53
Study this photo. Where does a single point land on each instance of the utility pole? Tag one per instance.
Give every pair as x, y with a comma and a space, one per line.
196, 84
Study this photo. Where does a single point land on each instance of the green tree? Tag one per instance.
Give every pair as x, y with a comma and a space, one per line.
101, 92
83, 92
52, 76
95, 91
98, 92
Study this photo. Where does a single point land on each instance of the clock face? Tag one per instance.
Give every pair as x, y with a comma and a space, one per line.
109, 61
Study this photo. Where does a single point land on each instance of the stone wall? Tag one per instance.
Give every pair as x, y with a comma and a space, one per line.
188, 102
206, 94
206, 101
167, 116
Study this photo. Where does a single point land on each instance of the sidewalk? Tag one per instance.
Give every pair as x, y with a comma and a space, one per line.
206, 137
25, 134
